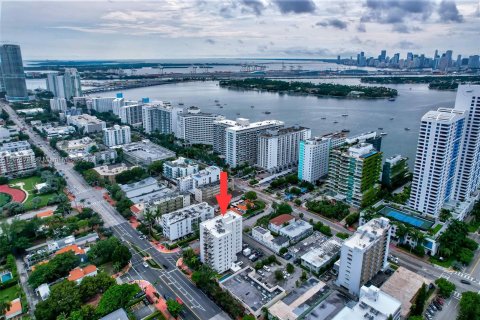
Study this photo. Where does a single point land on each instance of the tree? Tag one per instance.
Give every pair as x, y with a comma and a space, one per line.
116, 297
251, 195
56, 268
3, 180
290, 268
121, 255
283, 251
36, 202
90, 286
278, 275
64, 298
419, 305
283, 208
149, 219
469, 306
132, 175
352, 219
174, 307
156, 168
445, 287
303, 277
82, 166
4, 307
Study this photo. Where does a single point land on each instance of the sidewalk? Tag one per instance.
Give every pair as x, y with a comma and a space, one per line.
159, 301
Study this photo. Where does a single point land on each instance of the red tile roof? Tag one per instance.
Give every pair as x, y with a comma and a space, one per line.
45, 214
281, 219
76, 249
15, 308
79, 273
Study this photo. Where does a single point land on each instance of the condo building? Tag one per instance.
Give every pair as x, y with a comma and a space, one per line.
364, 254
395, 171
66, 85
178, 168
203, 177
195, 126
354, 173
131, 114
220, 241
102, 104
314, 154
219, 134
14, 163
87, 123
58, 104
183, 222
279, 149
241, 140
160, 117
116, 135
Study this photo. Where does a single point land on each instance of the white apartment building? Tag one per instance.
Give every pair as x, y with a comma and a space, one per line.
116, 135
15, 146
219, 134
87, 123
203, 177
178, 168
437, 160
364, 254
58, 104
157, 117
117, 103
314, 155
66, 85
220, 241
196, 127
102, 104
131, 114
78, 146
183, 222
241, 141
279, 149
13, 163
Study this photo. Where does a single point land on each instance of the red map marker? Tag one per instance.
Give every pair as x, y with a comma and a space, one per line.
223, 198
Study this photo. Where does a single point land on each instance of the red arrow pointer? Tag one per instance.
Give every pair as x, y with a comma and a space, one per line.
223, 198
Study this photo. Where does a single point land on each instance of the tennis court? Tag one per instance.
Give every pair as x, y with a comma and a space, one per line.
407, 218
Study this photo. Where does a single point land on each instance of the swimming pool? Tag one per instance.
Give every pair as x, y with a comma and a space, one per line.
406, 218
6, 276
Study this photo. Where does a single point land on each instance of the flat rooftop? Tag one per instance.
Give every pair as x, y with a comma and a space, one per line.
190, 211
147, 150
323, 253
307, 244
296, 228
403, 285
368, 233
254, 125
250, 291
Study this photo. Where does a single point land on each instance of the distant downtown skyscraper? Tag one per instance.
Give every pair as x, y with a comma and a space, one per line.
447, 164
12, 74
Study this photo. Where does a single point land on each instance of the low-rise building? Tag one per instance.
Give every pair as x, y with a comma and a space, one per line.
78, 273
101, 157
306, 245
209, 191
43, 291
145, 152
374, 304
17, 162
76, 148
318, 258
7, 133
266, 238
14, 310
109, 172
178, 168
203, 177
15, 146
297, 230
30, 112
55, 132
279, 222
143, 187
183, 222
87, 123
162, 204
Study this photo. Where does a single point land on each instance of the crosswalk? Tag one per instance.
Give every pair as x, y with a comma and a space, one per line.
456, 295
465, 276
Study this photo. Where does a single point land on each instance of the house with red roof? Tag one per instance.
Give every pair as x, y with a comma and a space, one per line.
279, 222
14, 310
78, 273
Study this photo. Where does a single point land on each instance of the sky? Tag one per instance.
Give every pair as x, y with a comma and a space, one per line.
188, 29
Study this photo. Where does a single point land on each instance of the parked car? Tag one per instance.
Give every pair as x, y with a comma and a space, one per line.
145, 264
465, 281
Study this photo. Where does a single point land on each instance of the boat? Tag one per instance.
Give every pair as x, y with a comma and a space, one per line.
238, 113
221, 107
380, 128
267, 112
216, 101
407, 129
391, 99
392, 118
345, 130
252, 107
335, 121
344, 115
383, 133
323, 118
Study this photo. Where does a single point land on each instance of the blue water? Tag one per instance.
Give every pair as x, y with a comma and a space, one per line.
6, 276
411, 220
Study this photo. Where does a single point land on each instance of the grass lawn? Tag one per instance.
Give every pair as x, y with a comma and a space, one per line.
435, 230
29, 186
4, 199
10, 293
107, 267
446, 263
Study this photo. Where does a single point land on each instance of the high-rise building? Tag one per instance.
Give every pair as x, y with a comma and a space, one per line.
131, 114
437, 159
474, 62
160, 117
354, 172
185, 221
116, 135
203, 177
364, 254
58, 104
278, 149
66, 85
102, 104
195, 126
395, 171
220, 241
219, 134
241, 141
12, 73
314, 154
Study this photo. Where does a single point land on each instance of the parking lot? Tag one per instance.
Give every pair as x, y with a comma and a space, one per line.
449, 309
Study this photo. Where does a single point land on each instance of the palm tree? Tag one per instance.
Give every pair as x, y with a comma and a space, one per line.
4, 307
402, 231
149, 218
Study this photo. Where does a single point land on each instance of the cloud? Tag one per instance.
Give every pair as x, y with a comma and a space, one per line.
397, 11
335, 23
406, 45
295, 6
210, 41
256, 5
302, 51
361, 28
448, 12
400, 28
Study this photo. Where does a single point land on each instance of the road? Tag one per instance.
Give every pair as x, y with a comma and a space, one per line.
173, 281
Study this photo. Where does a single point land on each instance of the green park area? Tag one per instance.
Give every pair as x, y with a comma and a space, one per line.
28, 185
4, 199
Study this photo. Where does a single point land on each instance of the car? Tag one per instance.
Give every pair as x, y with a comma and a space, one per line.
240, 263
145, 264
165, 267
465, 281
433, 307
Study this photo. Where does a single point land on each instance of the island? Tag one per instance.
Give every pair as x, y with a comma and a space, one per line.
434, 82
308, 88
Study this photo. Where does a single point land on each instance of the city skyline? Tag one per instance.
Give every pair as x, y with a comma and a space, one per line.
238, 29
